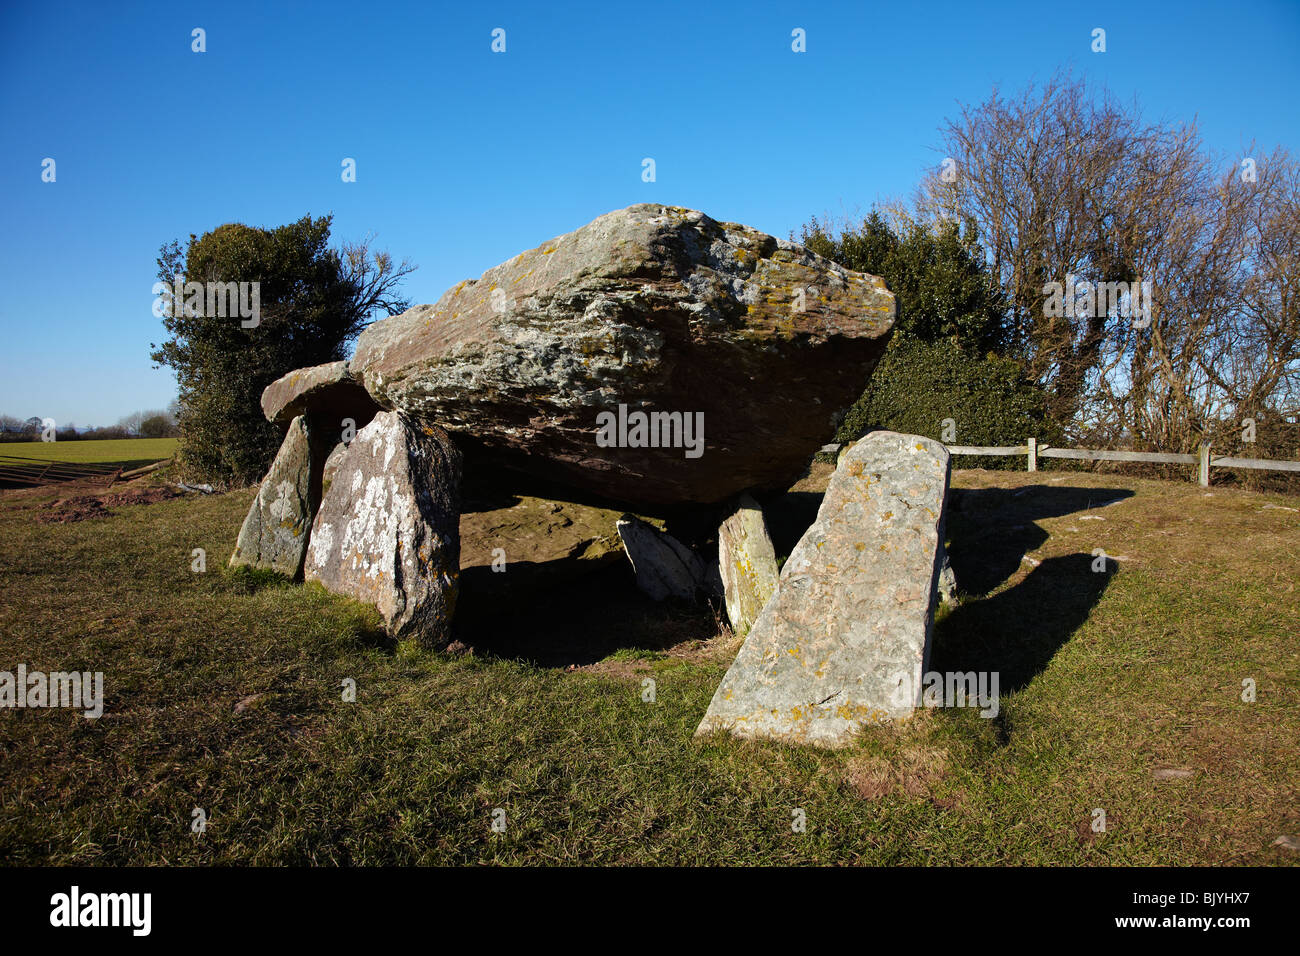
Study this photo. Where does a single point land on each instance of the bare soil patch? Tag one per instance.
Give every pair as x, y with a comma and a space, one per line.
87, 507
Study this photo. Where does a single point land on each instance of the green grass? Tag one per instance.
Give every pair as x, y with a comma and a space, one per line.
1107, 678
111, 451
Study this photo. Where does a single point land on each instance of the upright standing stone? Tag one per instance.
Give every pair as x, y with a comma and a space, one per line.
747, 563
846, 639
388, 528
331, 467
275, 532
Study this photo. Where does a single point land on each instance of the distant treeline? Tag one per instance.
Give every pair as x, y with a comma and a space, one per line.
152, 423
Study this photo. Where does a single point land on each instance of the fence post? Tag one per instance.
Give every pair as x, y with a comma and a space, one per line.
1033, 454
1205, 466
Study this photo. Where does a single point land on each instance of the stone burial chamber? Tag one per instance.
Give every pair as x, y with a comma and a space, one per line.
317, 408
653, 359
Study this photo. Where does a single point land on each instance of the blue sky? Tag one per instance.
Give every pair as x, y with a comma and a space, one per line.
466, 157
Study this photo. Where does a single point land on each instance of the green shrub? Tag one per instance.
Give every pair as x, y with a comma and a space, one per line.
919, 385
314, 300
941, 283
953, 354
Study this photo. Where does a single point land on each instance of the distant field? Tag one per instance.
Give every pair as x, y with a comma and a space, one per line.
125, 451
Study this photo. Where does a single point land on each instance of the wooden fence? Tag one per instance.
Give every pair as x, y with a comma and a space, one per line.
1032, 451
16, 470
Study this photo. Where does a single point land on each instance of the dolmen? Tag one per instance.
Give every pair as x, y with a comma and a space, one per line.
651, 359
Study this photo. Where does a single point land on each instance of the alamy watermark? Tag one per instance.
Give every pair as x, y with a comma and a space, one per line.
1085, 300
651, 430
75, 908
74, 689
949, 689
213, 300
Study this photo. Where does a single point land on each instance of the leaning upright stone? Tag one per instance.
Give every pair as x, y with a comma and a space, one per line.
947, 581
387, 533
846, 639
747, 563
664, 566
275, 532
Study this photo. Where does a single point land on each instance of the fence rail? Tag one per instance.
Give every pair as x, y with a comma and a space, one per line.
1032, 451
1009, 450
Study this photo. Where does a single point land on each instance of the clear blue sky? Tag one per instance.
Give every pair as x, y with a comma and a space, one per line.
465, 157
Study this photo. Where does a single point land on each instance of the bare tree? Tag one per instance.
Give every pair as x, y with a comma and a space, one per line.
131, 423
1073, 191
375, 275
1223, 343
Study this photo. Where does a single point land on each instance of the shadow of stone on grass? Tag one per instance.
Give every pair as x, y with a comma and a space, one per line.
990, 530
1018, 631
561, 613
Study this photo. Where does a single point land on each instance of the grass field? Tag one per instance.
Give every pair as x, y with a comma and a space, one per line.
126, 451
1121, 691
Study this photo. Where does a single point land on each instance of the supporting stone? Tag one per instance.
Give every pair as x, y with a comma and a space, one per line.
275, 533
746, 563
664, 566
946, 583
387, 532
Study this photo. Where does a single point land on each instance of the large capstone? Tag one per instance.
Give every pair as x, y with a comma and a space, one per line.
275, 532
652, 357
747, 563
845, 640
387, 532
